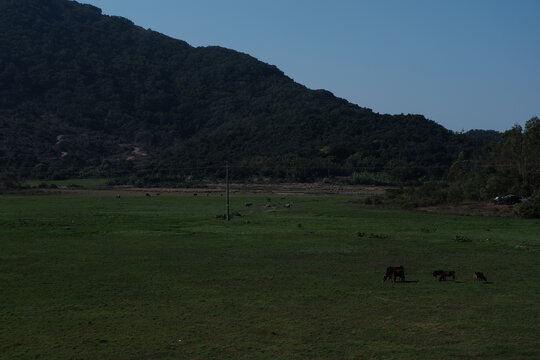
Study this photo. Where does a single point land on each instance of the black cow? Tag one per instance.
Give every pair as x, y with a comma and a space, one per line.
478, 275
437, 273
446, 274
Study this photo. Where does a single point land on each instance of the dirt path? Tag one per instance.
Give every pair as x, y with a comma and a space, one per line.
285, 189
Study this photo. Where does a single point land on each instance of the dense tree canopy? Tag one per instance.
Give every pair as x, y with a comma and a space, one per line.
87, 94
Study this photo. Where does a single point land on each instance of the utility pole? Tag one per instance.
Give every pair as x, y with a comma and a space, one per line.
227, 182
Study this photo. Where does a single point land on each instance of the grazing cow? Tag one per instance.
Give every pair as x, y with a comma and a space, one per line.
394, 272
478, 275
446, 274
398, 274
437, 273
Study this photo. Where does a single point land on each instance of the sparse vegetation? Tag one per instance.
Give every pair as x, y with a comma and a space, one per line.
461, 238
380, 178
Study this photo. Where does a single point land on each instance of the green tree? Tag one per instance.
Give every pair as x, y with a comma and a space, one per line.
531, 154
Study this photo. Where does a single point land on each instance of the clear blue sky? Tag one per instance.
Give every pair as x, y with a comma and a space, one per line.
466, 64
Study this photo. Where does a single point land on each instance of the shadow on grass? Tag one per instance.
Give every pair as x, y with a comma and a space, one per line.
461, 281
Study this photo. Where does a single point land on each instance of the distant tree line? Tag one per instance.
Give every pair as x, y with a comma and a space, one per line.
509, 166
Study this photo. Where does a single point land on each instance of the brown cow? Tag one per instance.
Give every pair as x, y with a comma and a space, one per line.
394, 272
479, 275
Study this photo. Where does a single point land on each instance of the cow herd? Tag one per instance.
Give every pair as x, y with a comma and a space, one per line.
398, 272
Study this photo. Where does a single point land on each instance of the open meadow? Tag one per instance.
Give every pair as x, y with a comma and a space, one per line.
87, 275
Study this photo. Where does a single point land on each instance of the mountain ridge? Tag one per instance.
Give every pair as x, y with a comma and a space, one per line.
69, 69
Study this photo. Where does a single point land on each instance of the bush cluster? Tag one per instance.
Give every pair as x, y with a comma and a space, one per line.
530, 208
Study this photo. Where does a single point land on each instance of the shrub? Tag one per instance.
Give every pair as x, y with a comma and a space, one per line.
461, 238
372, 178
529, 209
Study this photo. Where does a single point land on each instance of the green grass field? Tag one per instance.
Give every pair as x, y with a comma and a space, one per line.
92, 276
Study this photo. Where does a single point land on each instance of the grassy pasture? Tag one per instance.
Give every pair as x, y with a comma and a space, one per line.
89, 275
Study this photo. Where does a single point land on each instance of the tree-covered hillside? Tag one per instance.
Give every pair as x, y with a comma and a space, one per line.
87, 94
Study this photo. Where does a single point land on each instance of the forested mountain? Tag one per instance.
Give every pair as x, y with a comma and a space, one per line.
87, 94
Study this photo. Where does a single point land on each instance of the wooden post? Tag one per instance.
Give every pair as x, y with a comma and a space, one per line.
227, 185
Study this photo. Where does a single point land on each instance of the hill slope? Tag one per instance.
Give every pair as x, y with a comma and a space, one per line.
84, 93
